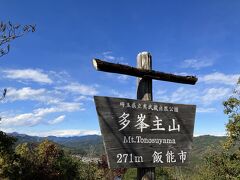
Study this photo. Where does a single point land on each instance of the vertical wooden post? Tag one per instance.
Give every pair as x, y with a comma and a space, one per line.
144, 92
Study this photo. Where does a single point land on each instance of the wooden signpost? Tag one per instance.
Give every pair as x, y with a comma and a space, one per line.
141, 133
145, 134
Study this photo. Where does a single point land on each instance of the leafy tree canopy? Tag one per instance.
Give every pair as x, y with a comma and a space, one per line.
224, 162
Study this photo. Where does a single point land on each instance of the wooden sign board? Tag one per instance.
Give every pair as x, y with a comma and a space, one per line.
144, 133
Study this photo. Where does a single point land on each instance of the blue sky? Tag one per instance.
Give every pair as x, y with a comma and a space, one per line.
51, 80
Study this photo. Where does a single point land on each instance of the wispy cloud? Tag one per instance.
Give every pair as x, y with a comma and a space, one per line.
58, 133
37, 116
161, 92
108, 55
206, 110
116, 93
197, 63
204, 97
57, 120
34, 75
25, 119
25, 93
65, 133
78, 88
29, 94
83, 98
211, 134
123, 78
182, 73
215, 94
51, 100
183, 95
220, 78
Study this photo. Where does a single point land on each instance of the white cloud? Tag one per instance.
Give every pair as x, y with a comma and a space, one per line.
69, 107
205, 96
26, 119
83, 98
37, 116
210, 134
108, 55
161, 92
206, 110
197, 63
176, 96
163, 98
184, 95
220, 78
215, 94
26, 93
79, 89
65, 133
116, 93
58, 133
61, 107
44, 105
182, 73
34, 75
7, 130
50, 97
60, 77
57, 120
122, 77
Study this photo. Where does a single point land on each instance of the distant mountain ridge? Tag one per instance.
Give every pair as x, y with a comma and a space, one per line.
57, 139
74, 144
93, 143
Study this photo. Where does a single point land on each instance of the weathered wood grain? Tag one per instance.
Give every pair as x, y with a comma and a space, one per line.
109, 110
144, 92
124, 142
150, 74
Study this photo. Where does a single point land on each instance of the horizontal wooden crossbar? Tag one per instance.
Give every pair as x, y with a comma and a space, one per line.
151, 74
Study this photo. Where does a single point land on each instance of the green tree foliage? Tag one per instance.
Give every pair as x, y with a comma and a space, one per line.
6, 143
46, 161
224, 163
108, 174
232, 109
9, 161
89, 171
30, 161
28, 165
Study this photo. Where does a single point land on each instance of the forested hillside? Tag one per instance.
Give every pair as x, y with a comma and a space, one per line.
82, 145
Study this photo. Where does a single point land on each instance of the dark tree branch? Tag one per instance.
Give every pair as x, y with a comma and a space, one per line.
132, 71
9, 32
3, 94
